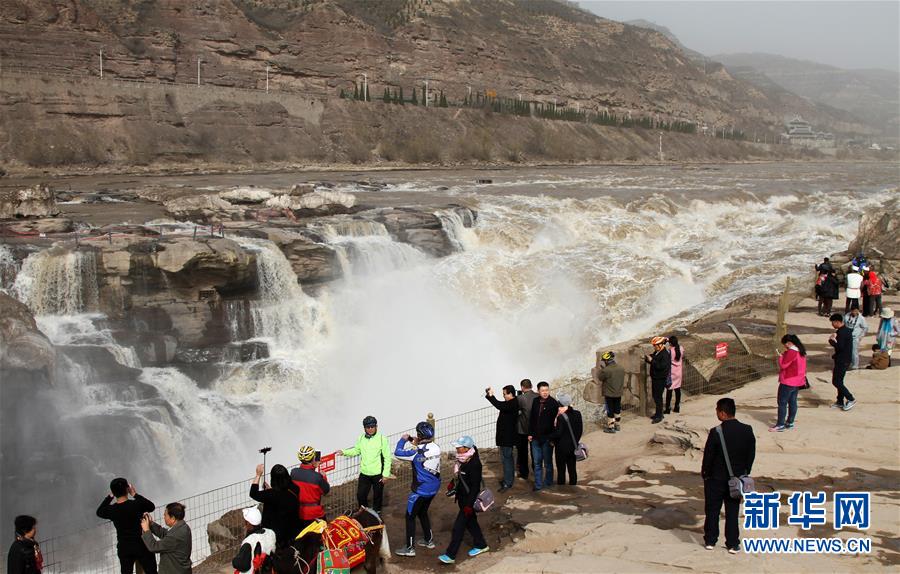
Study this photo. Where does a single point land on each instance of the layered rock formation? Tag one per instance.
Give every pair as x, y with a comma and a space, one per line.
543, 50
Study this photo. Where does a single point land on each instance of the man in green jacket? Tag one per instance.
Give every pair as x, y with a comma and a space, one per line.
374, 463
612, 378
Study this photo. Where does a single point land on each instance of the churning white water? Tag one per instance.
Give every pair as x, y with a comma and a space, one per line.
541, 281
59, 282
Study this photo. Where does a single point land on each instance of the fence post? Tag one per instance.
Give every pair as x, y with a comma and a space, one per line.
429, 418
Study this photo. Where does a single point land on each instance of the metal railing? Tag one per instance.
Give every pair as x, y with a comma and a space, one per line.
214, 517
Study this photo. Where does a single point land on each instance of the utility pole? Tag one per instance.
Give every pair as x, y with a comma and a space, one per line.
101, 62
365, 87
660, 148
267, 78
199, 59
426, 92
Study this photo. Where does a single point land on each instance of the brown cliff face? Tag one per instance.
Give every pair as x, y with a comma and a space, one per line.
542, 50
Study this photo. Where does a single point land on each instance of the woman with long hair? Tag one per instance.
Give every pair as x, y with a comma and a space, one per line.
791, 376
677, 354
280, 504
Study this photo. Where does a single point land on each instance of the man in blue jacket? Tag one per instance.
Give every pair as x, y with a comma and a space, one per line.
425, 457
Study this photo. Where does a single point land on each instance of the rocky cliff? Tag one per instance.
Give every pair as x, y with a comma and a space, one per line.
539, 50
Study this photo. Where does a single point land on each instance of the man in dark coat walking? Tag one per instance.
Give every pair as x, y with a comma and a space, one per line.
507, 431
842, 341
741, 444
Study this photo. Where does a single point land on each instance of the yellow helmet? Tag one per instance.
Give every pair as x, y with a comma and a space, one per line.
608, 356
306, 453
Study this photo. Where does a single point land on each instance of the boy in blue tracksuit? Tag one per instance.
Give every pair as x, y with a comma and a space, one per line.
425, 457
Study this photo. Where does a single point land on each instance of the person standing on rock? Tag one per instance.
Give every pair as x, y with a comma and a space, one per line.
791, 377
466, 485
374, 454
842, 341
172, 542
740, 443
660, 369
425, 457
525, 398
540, 428
612, 381
126, 515
875, 287
507, 436
677, 354
566, 434
854, 288
858, 328
830, 290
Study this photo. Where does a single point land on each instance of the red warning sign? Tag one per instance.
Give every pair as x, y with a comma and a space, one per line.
721, 350
327, 463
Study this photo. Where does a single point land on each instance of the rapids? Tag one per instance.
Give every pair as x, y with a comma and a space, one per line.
558, 265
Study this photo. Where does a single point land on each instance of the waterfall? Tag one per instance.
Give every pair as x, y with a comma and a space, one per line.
8, 268
58, 282
365, 247
461, 237
286, 317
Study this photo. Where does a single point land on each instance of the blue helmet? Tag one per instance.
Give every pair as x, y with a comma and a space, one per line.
425, 430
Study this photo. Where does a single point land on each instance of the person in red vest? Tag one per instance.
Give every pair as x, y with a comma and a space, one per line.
312, 486
875, 288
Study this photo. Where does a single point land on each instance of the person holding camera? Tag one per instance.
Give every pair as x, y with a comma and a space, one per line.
374, 454
507, 431
126, 515
311, 486
281, 507
172, 542
425, 457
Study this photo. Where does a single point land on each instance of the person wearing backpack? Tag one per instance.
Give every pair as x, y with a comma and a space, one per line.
568, 428
467, 486
374, 454
741, 446
256, 547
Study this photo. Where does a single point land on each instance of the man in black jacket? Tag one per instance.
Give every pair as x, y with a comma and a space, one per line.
660, 370
24, 554
126, 517
507, 431
569, 427
540, 430
842, 341
741, 445
525, 398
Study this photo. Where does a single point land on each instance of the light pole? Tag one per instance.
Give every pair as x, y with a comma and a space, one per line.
267, 78
660, 148
365, 87
426, 92
101, 62
199, 59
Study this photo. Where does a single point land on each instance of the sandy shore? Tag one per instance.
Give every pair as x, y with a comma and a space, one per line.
639, 505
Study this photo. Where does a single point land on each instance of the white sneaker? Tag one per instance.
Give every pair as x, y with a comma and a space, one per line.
426, 544
849, 405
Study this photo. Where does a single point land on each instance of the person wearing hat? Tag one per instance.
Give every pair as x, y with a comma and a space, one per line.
660, 369
612, 380
888, 330
566, 434
467, 485
374, 454
259, 542
312, 486
425, 457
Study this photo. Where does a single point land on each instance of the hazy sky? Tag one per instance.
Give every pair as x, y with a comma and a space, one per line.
844, 34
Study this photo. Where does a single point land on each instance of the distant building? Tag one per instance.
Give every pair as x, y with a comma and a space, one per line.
800, 132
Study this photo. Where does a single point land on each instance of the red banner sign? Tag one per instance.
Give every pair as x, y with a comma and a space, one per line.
721, 350
327, 463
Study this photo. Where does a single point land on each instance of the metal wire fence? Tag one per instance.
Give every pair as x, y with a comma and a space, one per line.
214, 516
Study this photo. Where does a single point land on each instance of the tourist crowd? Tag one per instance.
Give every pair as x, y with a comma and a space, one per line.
535, 431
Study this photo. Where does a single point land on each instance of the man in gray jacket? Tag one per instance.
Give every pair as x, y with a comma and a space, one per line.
173, 544
524, 398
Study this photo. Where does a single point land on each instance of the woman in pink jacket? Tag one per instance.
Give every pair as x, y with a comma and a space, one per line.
791, 376
677, 354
